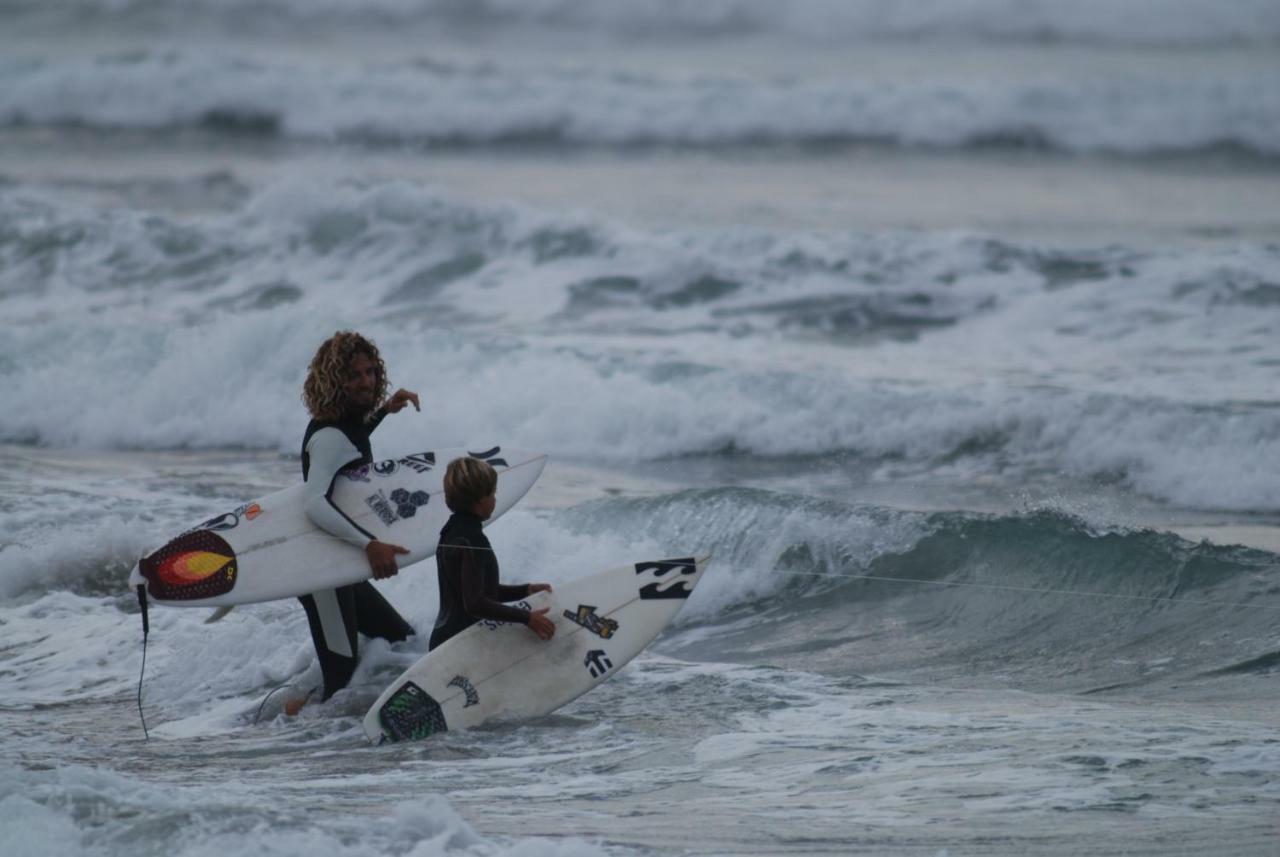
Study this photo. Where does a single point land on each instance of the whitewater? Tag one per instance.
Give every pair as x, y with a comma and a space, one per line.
949, 329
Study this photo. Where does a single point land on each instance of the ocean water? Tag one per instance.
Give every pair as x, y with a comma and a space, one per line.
949, 328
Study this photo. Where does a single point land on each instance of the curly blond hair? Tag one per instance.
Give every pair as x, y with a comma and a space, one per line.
322, 392
467, 481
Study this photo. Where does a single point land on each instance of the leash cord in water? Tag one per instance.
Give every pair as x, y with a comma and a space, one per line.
1077, 593
146, 630
1073, 592
1001, 586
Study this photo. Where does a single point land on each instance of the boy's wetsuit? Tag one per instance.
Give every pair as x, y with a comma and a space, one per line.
468, 573
335, 615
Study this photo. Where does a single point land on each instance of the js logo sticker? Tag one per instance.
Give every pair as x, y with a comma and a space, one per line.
464, 684
674, 586
587, 618
597, 662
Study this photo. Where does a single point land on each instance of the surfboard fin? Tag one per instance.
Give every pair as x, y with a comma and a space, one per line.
219, 613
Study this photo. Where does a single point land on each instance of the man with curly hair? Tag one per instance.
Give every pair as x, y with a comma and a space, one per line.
344, 392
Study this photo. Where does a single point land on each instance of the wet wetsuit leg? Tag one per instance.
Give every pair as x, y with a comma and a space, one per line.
377, 618
331, 614
335, 615
438, 637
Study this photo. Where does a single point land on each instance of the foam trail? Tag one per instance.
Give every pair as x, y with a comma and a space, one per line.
458, 104
1137, 22
209, 339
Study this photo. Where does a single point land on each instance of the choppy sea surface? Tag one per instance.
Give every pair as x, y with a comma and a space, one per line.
949, 328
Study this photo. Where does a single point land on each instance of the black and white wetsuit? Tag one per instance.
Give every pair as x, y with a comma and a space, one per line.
336, 615
467, 570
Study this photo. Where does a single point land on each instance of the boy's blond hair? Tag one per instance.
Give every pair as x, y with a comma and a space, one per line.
467, 481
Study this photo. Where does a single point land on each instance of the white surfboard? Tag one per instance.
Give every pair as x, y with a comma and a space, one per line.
500, 670
269, 548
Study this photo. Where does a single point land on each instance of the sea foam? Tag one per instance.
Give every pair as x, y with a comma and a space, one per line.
945, 353
449, 103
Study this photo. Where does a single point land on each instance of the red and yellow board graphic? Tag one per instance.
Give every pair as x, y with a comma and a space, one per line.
195, 565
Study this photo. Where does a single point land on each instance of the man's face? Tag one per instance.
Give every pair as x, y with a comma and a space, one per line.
361, 386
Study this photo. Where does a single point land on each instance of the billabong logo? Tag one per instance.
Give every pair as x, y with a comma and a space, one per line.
667, 587
464, 684
586, 617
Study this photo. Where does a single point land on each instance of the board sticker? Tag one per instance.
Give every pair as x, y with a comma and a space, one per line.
491, 456
381, 506
230, 520
421, 462
667, 587
587, 617
401, 504
411, 714
464, 684
407, 502
597, 662
198, 564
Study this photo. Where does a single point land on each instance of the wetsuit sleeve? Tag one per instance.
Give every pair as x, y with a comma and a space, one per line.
330, 451
375, 419
474, 599
512, 593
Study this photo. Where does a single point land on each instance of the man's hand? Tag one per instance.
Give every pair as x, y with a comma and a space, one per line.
539, 587
541, 625
401, 398
382, 558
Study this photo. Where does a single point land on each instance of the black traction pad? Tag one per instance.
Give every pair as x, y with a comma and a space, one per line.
170, 577
411, 714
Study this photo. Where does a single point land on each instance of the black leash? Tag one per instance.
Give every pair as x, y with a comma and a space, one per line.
146, 629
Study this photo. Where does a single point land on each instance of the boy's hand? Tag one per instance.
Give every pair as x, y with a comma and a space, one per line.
541, 625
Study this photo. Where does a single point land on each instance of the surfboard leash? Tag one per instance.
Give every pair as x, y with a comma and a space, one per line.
146, 630
1077, 593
